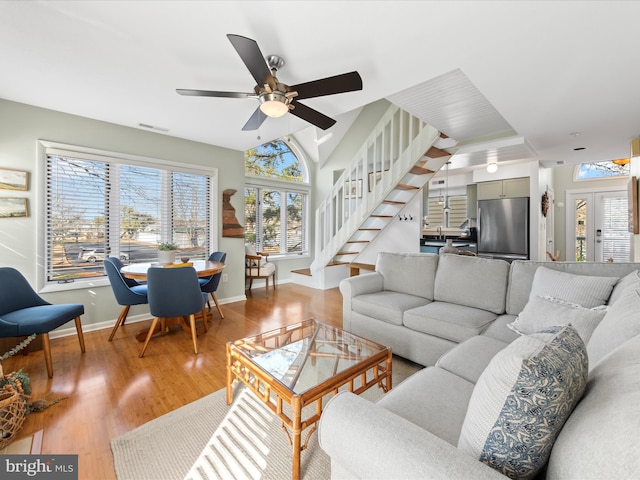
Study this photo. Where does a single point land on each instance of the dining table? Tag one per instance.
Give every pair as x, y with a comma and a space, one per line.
138, 271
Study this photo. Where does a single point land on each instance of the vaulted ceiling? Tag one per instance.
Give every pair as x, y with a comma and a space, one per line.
517, 80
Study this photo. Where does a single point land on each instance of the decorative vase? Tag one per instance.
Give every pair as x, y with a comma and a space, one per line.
166, 257
449, 248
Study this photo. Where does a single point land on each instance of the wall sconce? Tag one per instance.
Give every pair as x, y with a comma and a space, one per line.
492, 166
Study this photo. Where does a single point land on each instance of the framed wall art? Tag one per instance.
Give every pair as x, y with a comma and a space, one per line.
13, 208
353, 188
14, 179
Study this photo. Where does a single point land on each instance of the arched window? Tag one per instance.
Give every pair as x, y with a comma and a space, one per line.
599, 170
276, 199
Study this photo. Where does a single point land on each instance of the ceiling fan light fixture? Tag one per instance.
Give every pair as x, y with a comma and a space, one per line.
274, 104
492, 166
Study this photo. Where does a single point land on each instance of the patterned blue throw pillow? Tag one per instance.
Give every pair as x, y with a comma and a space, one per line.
522, 400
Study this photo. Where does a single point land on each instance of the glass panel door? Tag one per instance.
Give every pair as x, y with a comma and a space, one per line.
597, 227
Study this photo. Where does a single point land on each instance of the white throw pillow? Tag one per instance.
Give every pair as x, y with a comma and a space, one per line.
522, 399
621, 323
583, 290
543, 312
631, 280
250, 250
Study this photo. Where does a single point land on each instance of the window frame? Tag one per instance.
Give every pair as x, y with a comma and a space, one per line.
576, 171
302, 187
46, 147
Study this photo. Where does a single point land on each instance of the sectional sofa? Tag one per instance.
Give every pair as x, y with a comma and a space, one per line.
533, 370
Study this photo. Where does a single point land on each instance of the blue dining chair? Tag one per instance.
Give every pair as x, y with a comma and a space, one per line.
23, 312
126, 290
174, 292
210, 284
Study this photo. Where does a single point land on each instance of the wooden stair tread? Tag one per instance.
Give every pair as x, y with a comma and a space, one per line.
393, 202
381, 216
334, 263
363, 266
435, 152
303, 271
418, 170
370, 229
347, 253
358, 241
404, 186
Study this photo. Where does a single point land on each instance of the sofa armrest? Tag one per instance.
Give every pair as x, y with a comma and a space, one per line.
369, 441
354, 286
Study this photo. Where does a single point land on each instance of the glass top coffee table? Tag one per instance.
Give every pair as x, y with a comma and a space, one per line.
298, 365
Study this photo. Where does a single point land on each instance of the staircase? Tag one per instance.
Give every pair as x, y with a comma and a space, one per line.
394, 163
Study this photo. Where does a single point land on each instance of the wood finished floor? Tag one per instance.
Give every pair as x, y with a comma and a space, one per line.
111, 391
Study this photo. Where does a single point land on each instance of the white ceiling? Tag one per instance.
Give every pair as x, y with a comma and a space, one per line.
533, 73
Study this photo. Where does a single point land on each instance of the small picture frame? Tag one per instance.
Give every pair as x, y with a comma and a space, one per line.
14, 208
377, 175
14, 179
353, 188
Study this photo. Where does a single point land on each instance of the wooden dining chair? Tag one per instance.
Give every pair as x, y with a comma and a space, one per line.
174, 292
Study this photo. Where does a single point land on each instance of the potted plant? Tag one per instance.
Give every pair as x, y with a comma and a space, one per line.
167, 252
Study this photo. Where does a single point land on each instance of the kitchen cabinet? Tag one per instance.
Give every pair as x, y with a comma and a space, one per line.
472, 201
509, 188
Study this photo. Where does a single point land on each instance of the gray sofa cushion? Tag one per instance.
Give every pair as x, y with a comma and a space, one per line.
498, 329
630, 280
522, 272
448, 320
621, 322
469, 359
522, 399
472, 281
387, 306
601, 438
411, 273
433, 399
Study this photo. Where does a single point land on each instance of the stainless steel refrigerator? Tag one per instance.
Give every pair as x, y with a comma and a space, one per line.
503, 228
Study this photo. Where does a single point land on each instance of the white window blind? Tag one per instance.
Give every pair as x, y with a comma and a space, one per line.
616, 243
99, 206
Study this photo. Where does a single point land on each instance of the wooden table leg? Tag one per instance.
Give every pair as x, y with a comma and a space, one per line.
296, 430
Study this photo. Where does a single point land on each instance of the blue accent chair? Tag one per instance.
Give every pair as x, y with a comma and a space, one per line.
127, 291
23, 312
210, 284
174, 292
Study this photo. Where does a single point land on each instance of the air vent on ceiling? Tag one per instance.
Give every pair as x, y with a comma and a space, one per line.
560, 162
437, 182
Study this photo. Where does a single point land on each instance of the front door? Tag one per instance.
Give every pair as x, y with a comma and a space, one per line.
597, 227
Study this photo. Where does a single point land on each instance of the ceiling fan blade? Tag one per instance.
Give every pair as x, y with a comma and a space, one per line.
347, 82
255, 121
254, 60
209, 93
312, 116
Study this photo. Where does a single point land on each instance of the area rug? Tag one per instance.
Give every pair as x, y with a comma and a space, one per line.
208, 439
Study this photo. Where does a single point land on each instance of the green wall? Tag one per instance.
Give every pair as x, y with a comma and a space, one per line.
21, 126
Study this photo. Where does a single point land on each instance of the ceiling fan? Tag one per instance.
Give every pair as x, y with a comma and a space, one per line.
277, 98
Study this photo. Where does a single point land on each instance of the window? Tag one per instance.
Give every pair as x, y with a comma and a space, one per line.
99, 206
457, 211
599, 170
276, 199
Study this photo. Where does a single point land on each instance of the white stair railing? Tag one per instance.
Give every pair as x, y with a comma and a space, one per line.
398, 141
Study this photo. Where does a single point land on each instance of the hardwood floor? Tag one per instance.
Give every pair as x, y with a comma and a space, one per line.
110, 390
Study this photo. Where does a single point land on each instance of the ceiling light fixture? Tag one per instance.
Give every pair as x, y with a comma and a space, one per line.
492, 166
274, 104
